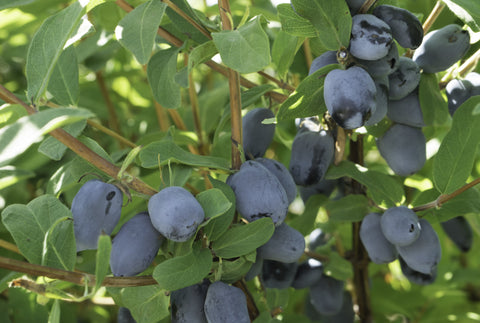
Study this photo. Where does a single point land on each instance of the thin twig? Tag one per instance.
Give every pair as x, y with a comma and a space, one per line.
162, 117
308, 52
436, 11
366, 6
112, 113
196, 113
278, 97
446, 197
80, 148
9, 246
235, 95
72, 276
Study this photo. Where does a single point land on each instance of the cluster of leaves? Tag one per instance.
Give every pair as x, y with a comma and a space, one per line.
80, 64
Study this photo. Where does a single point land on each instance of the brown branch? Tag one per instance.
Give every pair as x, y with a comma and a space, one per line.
360, 258
235, 94
316, 256
162, 117
196, 113
80, 148
446, 197
112, 113
366, 6
72, 276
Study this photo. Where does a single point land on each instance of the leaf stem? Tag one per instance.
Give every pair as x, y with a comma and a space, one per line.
308, 52
366, 6
77, 278
446, 197
196, 113
80, 148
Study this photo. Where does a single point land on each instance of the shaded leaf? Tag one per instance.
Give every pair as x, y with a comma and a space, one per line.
137, 30
293, 23
243, 239
351, 208
64, 82
102, 259
246, 49
161, 71
454, 160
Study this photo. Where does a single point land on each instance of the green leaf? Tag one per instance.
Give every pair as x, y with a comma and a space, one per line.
243, 239
454, 161
102, 265
14, 3
293, 23
183, 271
63, 84
17, 137
338, 267
307, 100
54, 316
161, 71
186, 28
331, 19
383, 189
246, 49
162, 152
129, 159
468, 11
201, 54
434, 107
147, 304
10, 175
214, 203
233, 271
351, 208
137, 30
48, 44
54, 149
31, 226
215, 227
284, 49
175, 175
306, 222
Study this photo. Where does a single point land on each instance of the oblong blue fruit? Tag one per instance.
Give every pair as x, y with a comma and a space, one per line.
442, 48
403, 148
285, 245
326, 295
135, 246
312, 153
187, 304
416, 276
308, 273
383, 66
458, 91
459, 231
225, 303
327, 58
277, 274
404, 79
406, 28
282, 174
406, 111
256, 135
423, 255
400, 226
175, 213
258, 193
379, 249
96, 208
371, 37
350, 96
381, 102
